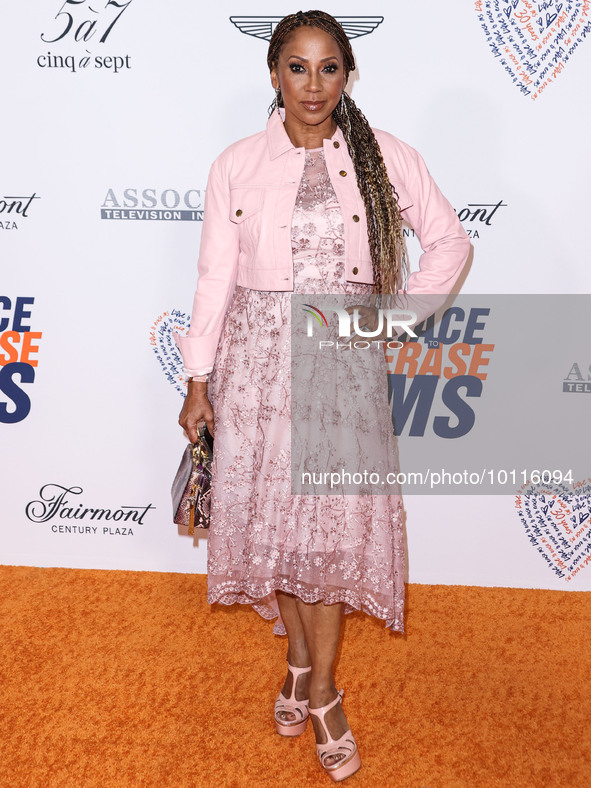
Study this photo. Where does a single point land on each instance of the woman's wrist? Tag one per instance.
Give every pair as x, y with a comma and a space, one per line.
196, 387
198, 378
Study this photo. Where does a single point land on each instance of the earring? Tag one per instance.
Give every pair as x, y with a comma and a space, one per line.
274, 105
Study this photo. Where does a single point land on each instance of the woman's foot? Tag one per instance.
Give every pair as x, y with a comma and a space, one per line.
302, 690
335, 718
338, 754
291, 707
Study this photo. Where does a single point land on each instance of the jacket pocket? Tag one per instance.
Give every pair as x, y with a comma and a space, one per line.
244, 203
246, 211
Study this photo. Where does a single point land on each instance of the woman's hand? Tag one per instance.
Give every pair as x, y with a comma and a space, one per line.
196, 410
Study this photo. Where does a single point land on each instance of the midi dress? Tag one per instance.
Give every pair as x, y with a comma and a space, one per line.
263, 538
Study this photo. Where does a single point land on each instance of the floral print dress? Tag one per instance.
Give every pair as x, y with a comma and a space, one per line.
263, 538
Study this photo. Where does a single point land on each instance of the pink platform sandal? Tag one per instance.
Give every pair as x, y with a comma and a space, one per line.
299, 708
346, 746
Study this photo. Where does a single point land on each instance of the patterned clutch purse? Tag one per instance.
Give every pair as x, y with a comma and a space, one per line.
191, 489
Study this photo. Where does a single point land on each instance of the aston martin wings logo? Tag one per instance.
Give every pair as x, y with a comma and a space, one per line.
263, 26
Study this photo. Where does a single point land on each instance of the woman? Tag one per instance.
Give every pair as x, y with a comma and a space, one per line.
313, 205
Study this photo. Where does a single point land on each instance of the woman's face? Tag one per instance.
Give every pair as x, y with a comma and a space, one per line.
310, 74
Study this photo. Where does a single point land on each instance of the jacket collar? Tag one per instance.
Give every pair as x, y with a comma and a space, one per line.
278, 140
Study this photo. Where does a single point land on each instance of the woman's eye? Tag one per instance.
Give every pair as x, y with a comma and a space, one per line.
297, 68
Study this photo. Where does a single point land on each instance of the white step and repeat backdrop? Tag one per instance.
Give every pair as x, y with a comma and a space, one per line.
112, 113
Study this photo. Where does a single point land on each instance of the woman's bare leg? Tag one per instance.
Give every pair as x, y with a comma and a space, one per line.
313, 633
297, 650
321, 625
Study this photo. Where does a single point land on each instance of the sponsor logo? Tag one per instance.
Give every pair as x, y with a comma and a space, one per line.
19, 347
474, 216
557, 524
533, 41
167, 205
577, 382
84, 27
264, 26
14, 208
477, 215
58, 505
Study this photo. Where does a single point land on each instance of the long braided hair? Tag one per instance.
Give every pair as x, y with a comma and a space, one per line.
384, 225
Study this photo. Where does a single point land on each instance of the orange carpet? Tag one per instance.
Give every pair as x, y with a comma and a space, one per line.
114, 678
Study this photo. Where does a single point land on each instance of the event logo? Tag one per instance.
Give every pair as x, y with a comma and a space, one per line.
153, 205
558, 525
18, 357
264, 26
445, 364
56, 502
13, 208
575, 382
533, 41
436, 363
83, 25
165, 349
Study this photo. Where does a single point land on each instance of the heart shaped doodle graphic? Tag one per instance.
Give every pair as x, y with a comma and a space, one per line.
165, 348
557, 522
534, 40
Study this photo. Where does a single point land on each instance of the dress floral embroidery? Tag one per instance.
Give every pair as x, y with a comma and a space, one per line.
262, 538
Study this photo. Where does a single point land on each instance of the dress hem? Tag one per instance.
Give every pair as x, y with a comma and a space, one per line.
267, 611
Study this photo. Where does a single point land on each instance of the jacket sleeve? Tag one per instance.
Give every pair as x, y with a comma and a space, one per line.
217, 267
444, 241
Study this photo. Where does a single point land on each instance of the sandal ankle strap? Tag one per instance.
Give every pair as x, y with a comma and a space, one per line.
323, 709
298, 671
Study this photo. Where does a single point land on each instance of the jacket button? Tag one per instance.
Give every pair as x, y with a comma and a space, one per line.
336, 144
239, 212
355, 217
343, 173
356, 270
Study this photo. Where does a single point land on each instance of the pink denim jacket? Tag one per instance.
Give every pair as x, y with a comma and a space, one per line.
246, 234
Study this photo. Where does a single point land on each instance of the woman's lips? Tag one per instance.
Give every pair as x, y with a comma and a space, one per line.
313, 106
